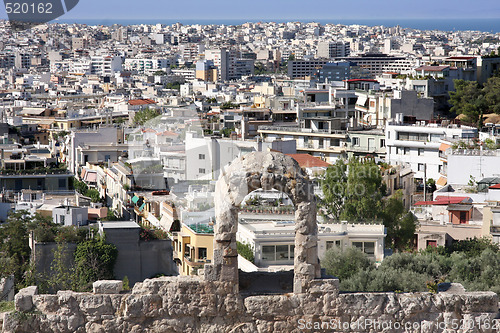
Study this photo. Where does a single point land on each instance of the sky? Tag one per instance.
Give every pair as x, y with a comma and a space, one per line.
282, 9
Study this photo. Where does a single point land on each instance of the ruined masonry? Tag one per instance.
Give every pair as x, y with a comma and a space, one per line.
213, 304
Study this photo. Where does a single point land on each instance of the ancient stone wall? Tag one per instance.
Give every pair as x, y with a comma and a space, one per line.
193, 305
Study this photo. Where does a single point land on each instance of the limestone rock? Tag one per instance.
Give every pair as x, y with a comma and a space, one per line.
24, 298
107, 287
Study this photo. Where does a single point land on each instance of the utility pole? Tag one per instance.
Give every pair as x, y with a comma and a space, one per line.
425, 181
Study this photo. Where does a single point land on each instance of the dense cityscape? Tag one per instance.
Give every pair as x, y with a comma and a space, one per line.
190, 178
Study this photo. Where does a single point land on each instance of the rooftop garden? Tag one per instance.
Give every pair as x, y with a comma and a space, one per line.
202, 228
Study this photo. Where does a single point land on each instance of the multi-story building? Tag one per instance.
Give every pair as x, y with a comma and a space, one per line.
206, 71
380, 63
376, 107
418, 145
303, 68
329, 50
146, 65
272, 238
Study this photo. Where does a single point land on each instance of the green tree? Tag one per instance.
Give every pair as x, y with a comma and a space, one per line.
62, 273
333, 184
400, 223
245, 250
94, 260
491, 93
364, 190
93, 194
14, 245
142, 116
345, 264
354, 191
466, 100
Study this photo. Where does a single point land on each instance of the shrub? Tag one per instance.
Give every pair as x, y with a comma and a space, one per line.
345, 264
246, 251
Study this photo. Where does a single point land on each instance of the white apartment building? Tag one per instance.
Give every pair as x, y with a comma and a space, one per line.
376, 107
272, 237
418, 145
330, 50
105, 65
145, 65
205, 156
476, 163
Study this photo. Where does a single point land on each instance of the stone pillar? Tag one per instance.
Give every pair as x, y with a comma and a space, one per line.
306, 263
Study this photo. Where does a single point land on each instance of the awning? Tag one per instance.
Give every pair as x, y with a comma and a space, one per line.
362, 100
135, 199
459, 208
166, 223
91, 177
443, 147
154, 221
442, 181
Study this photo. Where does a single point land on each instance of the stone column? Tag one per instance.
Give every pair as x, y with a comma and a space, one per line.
306, 263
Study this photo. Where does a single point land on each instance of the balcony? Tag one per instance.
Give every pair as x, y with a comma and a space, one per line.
495, 229
196, 262
295, 129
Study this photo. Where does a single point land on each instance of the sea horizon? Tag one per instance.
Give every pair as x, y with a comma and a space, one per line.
491, 25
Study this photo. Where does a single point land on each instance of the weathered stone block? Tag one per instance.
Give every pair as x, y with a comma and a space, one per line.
107, 287
323, 286
23, 300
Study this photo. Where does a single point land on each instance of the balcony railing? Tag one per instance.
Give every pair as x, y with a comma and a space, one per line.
299, 130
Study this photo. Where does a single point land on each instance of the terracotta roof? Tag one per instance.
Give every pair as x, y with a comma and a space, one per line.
361, 80
167, 133
141, 101
308, 161
432, 68
495, 187
460, 58
442, 200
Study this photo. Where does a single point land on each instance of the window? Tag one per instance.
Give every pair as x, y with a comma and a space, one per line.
431, 243
278, 252
366, 247
62, 219
355, 141
421, 167
420, 151
268, 253
382, 143
202, 253
406, 151
331, 244
107, 158
201, 170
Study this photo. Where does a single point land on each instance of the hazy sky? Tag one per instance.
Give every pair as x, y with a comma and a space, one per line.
285, 9
282, 9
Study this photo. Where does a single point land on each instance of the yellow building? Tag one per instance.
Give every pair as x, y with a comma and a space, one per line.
193, 247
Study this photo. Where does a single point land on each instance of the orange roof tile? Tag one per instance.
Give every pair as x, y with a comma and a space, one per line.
141, 101
308, 161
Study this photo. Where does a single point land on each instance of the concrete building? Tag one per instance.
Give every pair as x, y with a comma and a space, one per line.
377, 107
194, 243
138, 259
329, 50
206, 71
70, 215
272, 238
303, 68
462, 164
418, 145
